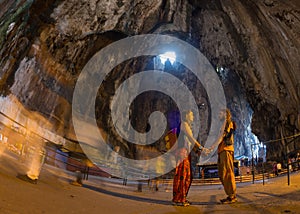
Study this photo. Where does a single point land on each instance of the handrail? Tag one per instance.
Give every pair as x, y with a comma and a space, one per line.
89, 169
11, 119
285, 138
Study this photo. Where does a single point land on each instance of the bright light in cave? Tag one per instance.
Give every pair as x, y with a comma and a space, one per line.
168, 55
220, 69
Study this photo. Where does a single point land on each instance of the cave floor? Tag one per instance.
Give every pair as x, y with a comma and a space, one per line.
54, 193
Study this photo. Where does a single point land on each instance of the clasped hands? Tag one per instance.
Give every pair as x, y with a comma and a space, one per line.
201, 149
206, 151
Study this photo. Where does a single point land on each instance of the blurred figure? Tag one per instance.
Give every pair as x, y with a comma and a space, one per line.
78, 181
114, 156
298, 160
248, 170
279, 167
275, 171
36, 160
159, 168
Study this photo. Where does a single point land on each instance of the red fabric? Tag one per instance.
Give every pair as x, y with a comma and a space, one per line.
182, 179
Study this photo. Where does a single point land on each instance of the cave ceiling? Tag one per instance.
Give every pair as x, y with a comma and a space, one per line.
253, 45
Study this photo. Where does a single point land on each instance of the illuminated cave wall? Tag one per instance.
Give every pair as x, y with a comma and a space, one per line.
45, 44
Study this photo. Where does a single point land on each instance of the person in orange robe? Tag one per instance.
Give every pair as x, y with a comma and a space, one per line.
225, 160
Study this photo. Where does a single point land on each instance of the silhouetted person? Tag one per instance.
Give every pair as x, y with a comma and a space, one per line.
168, 65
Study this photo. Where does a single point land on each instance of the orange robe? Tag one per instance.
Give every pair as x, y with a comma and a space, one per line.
225, 165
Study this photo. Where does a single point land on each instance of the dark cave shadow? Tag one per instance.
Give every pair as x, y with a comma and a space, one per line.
130, 197
141, 199
253, 205
211, 203
258, 208
289, 196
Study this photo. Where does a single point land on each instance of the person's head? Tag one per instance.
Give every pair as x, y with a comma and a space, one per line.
117, 149
188, 116
228, 115
222, 115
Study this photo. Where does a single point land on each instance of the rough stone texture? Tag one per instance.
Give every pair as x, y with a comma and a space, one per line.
45, 44
259, 40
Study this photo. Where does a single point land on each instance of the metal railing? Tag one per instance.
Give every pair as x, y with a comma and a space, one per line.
80, 163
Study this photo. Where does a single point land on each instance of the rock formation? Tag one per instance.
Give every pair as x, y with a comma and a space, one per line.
253, 45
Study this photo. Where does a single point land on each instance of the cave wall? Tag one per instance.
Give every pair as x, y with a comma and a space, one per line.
259, 40
45, 44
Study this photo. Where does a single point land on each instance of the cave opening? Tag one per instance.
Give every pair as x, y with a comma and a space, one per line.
168, 56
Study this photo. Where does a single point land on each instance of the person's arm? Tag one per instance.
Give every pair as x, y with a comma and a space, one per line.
188, 132
230, 130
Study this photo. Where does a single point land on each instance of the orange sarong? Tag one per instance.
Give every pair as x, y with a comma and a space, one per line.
182, 180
